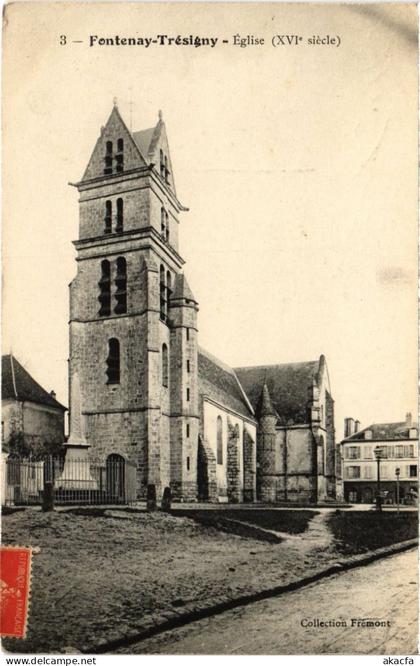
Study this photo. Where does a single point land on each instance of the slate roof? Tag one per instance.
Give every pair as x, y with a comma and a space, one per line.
182, 289
17, 384
143, 139
288, 385
219, 382
381, 431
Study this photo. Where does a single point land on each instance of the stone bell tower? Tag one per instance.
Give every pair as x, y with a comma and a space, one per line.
133, 329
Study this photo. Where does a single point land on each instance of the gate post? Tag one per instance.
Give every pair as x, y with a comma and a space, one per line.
166, 500
48, 493
151, 497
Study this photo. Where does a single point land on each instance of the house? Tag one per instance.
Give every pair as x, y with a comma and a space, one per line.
142, 391
32, 427
398, 445
32, 418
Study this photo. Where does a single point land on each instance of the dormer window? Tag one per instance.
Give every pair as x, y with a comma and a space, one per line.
108, 158
119, 157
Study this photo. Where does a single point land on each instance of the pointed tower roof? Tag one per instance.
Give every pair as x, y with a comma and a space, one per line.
182, 289
265, 406
114, 127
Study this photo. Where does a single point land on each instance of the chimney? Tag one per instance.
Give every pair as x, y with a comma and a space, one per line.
408, 420
53, 394
356, 426
348, 427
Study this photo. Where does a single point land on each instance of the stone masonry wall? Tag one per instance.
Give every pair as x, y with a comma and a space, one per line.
233, 464
249, 467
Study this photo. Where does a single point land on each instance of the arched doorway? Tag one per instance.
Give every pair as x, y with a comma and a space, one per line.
115, 478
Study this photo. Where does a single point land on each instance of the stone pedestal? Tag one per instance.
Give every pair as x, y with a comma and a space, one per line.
76, 473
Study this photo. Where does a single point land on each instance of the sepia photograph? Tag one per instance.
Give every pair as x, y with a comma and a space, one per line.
209, 358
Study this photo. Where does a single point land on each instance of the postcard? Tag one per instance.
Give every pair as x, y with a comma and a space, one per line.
209, 371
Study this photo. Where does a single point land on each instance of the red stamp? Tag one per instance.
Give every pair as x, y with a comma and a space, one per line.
15, 585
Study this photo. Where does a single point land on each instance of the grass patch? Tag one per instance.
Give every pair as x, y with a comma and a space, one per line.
292, 522
359, 531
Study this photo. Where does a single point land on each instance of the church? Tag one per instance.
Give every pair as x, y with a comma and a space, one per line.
142, 390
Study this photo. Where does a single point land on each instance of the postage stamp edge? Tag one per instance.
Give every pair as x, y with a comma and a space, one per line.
28, 581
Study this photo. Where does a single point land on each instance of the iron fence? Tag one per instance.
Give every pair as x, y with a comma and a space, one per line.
110, 481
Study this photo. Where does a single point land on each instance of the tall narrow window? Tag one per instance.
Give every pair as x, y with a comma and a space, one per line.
162, 294
167, 227
162, 165
120, 155
219, 441
163, 223
165, 366
188, 333
166, 170
121, 286
188, 366
108, 158
168, 290
108, 217
188, 463
105, 289
120, 216
188, 394
113, 361
188, 429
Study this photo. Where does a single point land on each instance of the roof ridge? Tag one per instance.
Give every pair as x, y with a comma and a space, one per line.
275, 365
13, 376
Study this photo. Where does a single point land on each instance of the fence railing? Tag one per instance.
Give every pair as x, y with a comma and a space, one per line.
112, 481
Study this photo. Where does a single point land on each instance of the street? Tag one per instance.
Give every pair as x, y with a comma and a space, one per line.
384, 593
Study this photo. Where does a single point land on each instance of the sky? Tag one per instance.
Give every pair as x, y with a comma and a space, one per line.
298, 166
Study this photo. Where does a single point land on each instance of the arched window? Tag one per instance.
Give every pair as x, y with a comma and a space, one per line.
105, 289
163, 223
120, 216
120, 155
108, 158
121, 286
165, 366
113, 361
219, 441
108, 217
162, 294
168, 290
